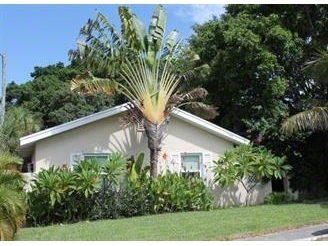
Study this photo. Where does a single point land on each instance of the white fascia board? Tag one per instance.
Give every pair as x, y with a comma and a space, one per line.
209, 127
183, 115
32, 138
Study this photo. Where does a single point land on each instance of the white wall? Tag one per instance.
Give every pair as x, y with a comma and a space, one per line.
106, 136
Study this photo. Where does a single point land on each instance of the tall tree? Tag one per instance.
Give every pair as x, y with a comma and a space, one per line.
144, 74
233, 47
49, 96
251, 62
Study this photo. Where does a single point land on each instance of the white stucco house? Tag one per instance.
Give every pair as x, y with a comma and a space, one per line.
190, 144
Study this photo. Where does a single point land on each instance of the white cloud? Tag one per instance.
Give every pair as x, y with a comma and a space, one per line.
199, 13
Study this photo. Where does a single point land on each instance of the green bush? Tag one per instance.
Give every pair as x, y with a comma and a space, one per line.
278, 198
145, 195
172, 193
64, 195
61, 195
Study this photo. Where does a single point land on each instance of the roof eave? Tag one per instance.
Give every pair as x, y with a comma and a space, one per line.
209, 127
32, 138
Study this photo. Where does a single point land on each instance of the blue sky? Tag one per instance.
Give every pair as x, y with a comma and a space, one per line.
41, 35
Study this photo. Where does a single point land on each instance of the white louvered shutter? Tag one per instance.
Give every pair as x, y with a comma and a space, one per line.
175, 163
206, 165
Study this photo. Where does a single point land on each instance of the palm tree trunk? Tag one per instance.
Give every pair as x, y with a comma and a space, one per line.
155, 133
154, 156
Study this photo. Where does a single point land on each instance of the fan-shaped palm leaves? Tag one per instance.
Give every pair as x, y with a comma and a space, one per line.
144, 74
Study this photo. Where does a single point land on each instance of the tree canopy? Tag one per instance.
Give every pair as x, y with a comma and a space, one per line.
48, 95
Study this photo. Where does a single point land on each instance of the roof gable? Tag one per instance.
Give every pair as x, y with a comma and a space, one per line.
181, 114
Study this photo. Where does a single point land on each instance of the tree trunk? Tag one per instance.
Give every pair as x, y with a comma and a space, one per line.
155, 133
154, 155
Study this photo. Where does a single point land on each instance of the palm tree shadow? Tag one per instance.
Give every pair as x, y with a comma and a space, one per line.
131, 142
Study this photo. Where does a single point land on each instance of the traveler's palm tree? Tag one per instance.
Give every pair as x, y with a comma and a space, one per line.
12, 200
144, 74
315, 118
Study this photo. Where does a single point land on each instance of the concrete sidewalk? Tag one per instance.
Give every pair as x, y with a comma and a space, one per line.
308, 233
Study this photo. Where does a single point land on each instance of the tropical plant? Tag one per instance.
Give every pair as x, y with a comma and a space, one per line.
114, 169
18, 122
144, 74
69, 195
172, 192
249, 165
12, 196
316, 117
136, 168
278, 198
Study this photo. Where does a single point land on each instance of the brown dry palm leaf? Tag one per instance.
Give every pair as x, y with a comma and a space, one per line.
312, 119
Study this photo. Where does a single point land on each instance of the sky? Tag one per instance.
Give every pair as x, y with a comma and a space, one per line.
38, 35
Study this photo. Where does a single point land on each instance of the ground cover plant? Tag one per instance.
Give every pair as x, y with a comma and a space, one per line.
219, 224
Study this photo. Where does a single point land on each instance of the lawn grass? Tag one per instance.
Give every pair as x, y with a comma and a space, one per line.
221, 224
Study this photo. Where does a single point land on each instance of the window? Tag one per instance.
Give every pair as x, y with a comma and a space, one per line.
251, 181
190, 164
77, 157
100, 157
27, 166
194, 164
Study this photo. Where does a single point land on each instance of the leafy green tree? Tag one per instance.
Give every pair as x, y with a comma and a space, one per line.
12, 199
235, 70
49, 97
143, 72
248, 161
250, 60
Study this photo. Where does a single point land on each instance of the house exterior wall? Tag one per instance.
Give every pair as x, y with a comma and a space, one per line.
106, 136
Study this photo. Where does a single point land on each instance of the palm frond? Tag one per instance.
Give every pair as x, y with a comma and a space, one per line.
88, 84
313, 119
133, 29
203, 110
12, 179
195, 94
133, 116
172, 44
317, 67
12, 212
149, 88
8, 160
157, 28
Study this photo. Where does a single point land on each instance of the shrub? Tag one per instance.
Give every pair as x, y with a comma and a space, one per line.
172, 193
278, 198
62, 195
245, 161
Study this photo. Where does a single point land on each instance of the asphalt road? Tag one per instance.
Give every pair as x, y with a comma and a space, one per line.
308, 233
